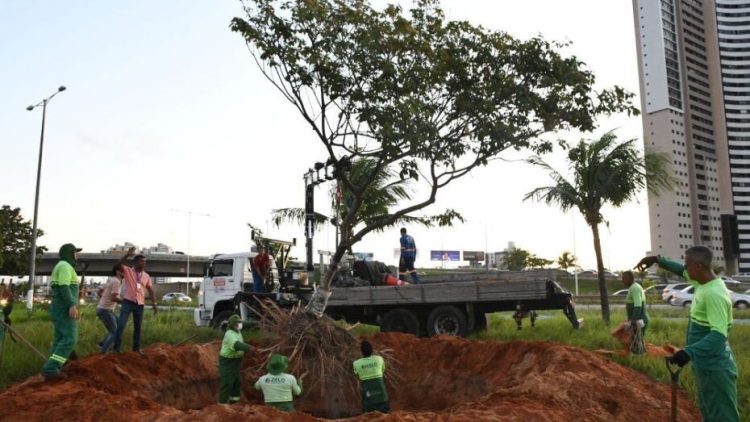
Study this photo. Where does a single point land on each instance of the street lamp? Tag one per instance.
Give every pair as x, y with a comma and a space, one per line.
190, 215
32, 258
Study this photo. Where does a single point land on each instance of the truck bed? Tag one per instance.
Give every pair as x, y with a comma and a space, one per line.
441, 292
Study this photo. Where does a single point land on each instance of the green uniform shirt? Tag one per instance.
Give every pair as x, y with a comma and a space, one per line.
278, 388
369, 368
233, 346
63, 274
710, 320
635, 303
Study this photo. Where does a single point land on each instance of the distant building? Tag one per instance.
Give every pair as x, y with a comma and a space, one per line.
496, 258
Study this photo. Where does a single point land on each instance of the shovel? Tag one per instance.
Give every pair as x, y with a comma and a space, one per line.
675, 376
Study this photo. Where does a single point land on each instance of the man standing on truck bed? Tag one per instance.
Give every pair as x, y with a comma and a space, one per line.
261, 269
408, 255
707, 337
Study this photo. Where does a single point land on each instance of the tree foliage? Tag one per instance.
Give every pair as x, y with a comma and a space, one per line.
604, 171
516, 259
15, 242
567, 260
431, 98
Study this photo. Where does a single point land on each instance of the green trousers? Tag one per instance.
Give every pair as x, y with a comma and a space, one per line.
374, 396
229, 380
66, 332
717, 394
284, 406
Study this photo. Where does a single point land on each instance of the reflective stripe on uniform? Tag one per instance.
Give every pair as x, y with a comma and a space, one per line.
58, 358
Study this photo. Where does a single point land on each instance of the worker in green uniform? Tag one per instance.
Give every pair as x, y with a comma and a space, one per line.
635, 306
230, 361
370, 370
63, 310
278, 386
707, 336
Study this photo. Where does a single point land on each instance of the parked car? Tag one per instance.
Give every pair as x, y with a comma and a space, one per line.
740, 301
176, 297
656, 289
670, 289
729, 280
682, 297
587, 274
623, 292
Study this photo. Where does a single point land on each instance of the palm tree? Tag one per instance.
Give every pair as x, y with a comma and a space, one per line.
384, 191
566, 260
604, 172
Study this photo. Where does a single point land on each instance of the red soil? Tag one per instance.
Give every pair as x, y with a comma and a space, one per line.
442, 379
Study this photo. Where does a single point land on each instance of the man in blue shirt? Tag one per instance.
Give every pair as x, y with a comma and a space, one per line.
408, 254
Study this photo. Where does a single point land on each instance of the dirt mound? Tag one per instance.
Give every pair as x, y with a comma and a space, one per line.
444, 378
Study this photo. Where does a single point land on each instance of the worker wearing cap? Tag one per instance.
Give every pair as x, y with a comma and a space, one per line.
635, 306
278, 386
230, 361
63, 310
707, 336
370, 370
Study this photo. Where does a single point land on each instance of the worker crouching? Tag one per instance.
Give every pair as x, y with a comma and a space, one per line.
370, 370
278, 386
230, 361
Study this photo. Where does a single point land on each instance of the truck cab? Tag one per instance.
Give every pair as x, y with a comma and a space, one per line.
225, 276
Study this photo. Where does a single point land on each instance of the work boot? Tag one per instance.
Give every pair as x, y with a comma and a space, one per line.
52, 376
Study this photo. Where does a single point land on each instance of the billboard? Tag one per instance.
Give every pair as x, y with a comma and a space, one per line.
473, 256
445, 255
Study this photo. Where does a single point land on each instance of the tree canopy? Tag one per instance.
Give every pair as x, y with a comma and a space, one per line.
15, 242
431, 98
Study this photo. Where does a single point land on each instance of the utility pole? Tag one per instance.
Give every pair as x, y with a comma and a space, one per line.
190, 215
32, 258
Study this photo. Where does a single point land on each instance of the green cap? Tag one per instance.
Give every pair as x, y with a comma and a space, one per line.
234, 319
277, 364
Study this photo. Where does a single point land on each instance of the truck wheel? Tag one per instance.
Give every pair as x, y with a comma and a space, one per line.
220, 319
447, 319
400, 320
480, 322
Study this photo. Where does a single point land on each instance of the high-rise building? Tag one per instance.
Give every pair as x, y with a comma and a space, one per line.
694, 66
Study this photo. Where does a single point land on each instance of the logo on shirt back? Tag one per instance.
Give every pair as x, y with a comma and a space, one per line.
275, 380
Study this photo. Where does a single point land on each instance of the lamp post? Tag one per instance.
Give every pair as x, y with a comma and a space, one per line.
32, 258
190, 215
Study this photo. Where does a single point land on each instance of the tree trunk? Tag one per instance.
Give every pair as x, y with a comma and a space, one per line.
603, 297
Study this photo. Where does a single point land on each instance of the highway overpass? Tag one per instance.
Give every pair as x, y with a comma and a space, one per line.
157, 265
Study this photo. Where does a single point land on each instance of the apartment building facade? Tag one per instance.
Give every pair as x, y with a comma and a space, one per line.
694, 67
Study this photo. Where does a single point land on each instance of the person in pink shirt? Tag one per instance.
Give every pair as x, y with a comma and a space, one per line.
135, 283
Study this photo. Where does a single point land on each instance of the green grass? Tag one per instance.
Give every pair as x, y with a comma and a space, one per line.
18, 362
176, 326
595, 335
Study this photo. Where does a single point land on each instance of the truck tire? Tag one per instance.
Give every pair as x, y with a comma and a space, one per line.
480, 323
400, 320
220, 319
447, 319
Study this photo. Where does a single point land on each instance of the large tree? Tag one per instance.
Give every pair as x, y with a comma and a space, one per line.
431, 98
15, 242
604, 172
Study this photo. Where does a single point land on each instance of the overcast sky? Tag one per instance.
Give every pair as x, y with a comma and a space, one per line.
165, 110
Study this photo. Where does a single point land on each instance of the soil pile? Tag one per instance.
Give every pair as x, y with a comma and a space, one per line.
443, 378
623, 334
